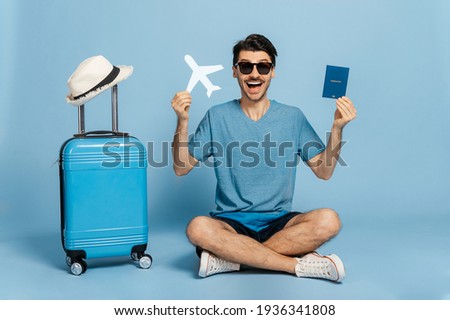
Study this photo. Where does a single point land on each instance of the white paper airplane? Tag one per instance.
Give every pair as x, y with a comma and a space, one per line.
199, 74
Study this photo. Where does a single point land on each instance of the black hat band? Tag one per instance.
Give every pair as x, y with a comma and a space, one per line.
108, 79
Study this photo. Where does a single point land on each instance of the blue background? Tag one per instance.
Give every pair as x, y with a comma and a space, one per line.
393, 196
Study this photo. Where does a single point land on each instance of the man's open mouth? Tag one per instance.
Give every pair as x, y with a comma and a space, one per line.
254, 84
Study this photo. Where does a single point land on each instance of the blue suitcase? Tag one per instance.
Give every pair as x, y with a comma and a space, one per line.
103, 184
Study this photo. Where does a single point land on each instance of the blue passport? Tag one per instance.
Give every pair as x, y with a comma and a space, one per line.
335, 84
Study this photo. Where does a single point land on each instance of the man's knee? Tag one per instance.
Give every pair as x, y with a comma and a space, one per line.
198, 229
328, 222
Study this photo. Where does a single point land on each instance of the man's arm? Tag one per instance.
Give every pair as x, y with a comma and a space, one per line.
323, 164
183, 162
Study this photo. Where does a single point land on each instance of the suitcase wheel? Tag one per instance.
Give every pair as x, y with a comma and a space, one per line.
145, 261
68, 261
77, 267
135, 256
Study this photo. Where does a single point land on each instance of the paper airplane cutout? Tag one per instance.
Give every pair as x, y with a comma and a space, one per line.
199, 73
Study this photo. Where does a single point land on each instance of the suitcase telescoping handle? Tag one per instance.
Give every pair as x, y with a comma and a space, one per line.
114, 112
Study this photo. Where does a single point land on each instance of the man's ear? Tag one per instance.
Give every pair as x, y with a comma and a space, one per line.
234, 72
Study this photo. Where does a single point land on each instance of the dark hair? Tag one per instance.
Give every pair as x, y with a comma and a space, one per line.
255, 42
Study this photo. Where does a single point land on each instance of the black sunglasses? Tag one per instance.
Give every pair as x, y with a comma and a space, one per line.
247, 67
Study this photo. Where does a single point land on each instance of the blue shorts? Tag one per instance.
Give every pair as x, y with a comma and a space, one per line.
263, 234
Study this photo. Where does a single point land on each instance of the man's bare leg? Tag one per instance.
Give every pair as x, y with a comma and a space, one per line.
305, 232
220, 239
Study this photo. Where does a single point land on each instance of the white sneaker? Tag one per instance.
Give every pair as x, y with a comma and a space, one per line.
314, 265
210, 264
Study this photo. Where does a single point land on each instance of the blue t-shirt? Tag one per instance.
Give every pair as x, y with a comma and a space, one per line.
254, 161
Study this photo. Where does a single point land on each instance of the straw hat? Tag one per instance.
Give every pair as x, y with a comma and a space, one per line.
93, 76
